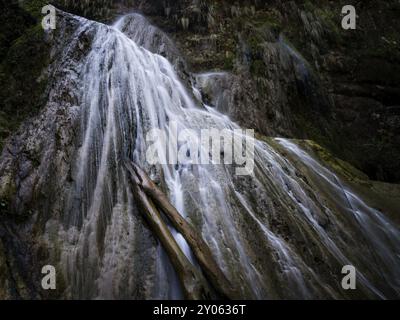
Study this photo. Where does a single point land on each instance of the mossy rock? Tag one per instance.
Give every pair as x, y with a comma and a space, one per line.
343, 168
384, 197
22, 80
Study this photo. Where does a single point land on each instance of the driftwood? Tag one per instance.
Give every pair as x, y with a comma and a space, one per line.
194, 285
199, 247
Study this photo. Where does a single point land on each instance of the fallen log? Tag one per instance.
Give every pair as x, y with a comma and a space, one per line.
199, 247
194, 285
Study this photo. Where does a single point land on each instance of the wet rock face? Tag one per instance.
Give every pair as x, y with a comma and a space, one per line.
273, 95
267, 85
243, 38
140, 30
35, 164
39, 196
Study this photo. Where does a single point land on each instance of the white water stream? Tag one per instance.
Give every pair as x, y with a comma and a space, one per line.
129, 90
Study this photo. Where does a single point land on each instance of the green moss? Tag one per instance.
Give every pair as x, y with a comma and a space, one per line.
343, 168
265, 19
21, 82
7, 192
4, 207
15, 21
34, 7
308, 6
257, 68
384, 197
229, 62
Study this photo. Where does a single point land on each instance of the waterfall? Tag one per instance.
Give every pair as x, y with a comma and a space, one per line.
273, 234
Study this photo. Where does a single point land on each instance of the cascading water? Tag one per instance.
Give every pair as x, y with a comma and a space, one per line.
272, 234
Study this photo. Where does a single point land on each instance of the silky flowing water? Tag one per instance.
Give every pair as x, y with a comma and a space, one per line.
264, 229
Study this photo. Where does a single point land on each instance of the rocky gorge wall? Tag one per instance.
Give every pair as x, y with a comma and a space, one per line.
271, 71
293, 71
297, 73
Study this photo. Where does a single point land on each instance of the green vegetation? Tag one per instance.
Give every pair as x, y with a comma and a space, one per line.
23, 60
34, 7
341, 167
